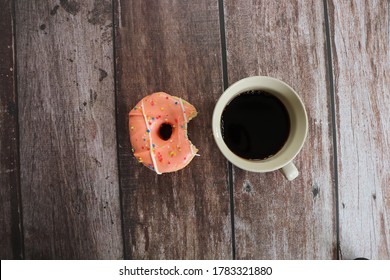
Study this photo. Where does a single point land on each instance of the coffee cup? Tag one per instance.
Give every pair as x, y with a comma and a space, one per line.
260, 124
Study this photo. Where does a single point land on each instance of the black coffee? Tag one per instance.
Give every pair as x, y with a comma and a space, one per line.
255, 125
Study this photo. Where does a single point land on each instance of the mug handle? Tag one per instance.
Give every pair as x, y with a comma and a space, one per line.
290, 171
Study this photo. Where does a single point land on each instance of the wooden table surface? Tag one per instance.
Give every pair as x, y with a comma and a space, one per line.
71, 70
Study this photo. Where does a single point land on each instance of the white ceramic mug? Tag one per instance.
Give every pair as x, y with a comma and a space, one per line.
298, 125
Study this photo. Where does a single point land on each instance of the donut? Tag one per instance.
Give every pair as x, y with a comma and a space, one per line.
158, 132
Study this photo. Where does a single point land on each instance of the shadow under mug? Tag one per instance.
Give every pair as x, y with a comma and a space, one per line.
298, 125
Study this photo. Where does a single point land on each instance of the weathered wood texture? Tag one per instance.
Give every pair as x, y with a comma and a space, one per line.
69, 179
274, 218
173, 46
361, 64
10, 223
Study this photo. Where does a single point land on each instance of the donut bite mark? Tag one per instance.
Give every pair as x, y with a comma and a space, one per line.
158, 132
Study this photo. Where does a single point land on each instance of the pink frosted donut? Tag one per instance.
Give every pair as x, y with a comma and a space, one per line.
158, 132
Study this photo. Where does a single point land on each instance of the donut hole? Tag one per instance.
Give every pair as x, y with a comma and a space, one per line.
165, 131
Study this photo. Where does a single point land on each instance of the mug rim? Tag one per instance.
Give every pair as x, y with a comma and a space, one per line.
278, 160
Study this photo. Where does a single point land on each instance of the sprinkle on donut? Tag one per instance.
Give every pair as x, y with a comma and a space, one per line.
158, 132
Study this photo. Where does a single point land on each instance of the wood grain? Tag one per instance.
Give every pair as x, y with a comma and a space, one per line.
274, 218
69, 176
173, 46
361, 65
10, 217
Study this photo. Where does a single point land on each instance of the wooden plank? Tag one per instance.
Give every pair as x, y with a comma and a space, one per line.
173, 46
361, 65
274, 218
10, 219
69, 176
